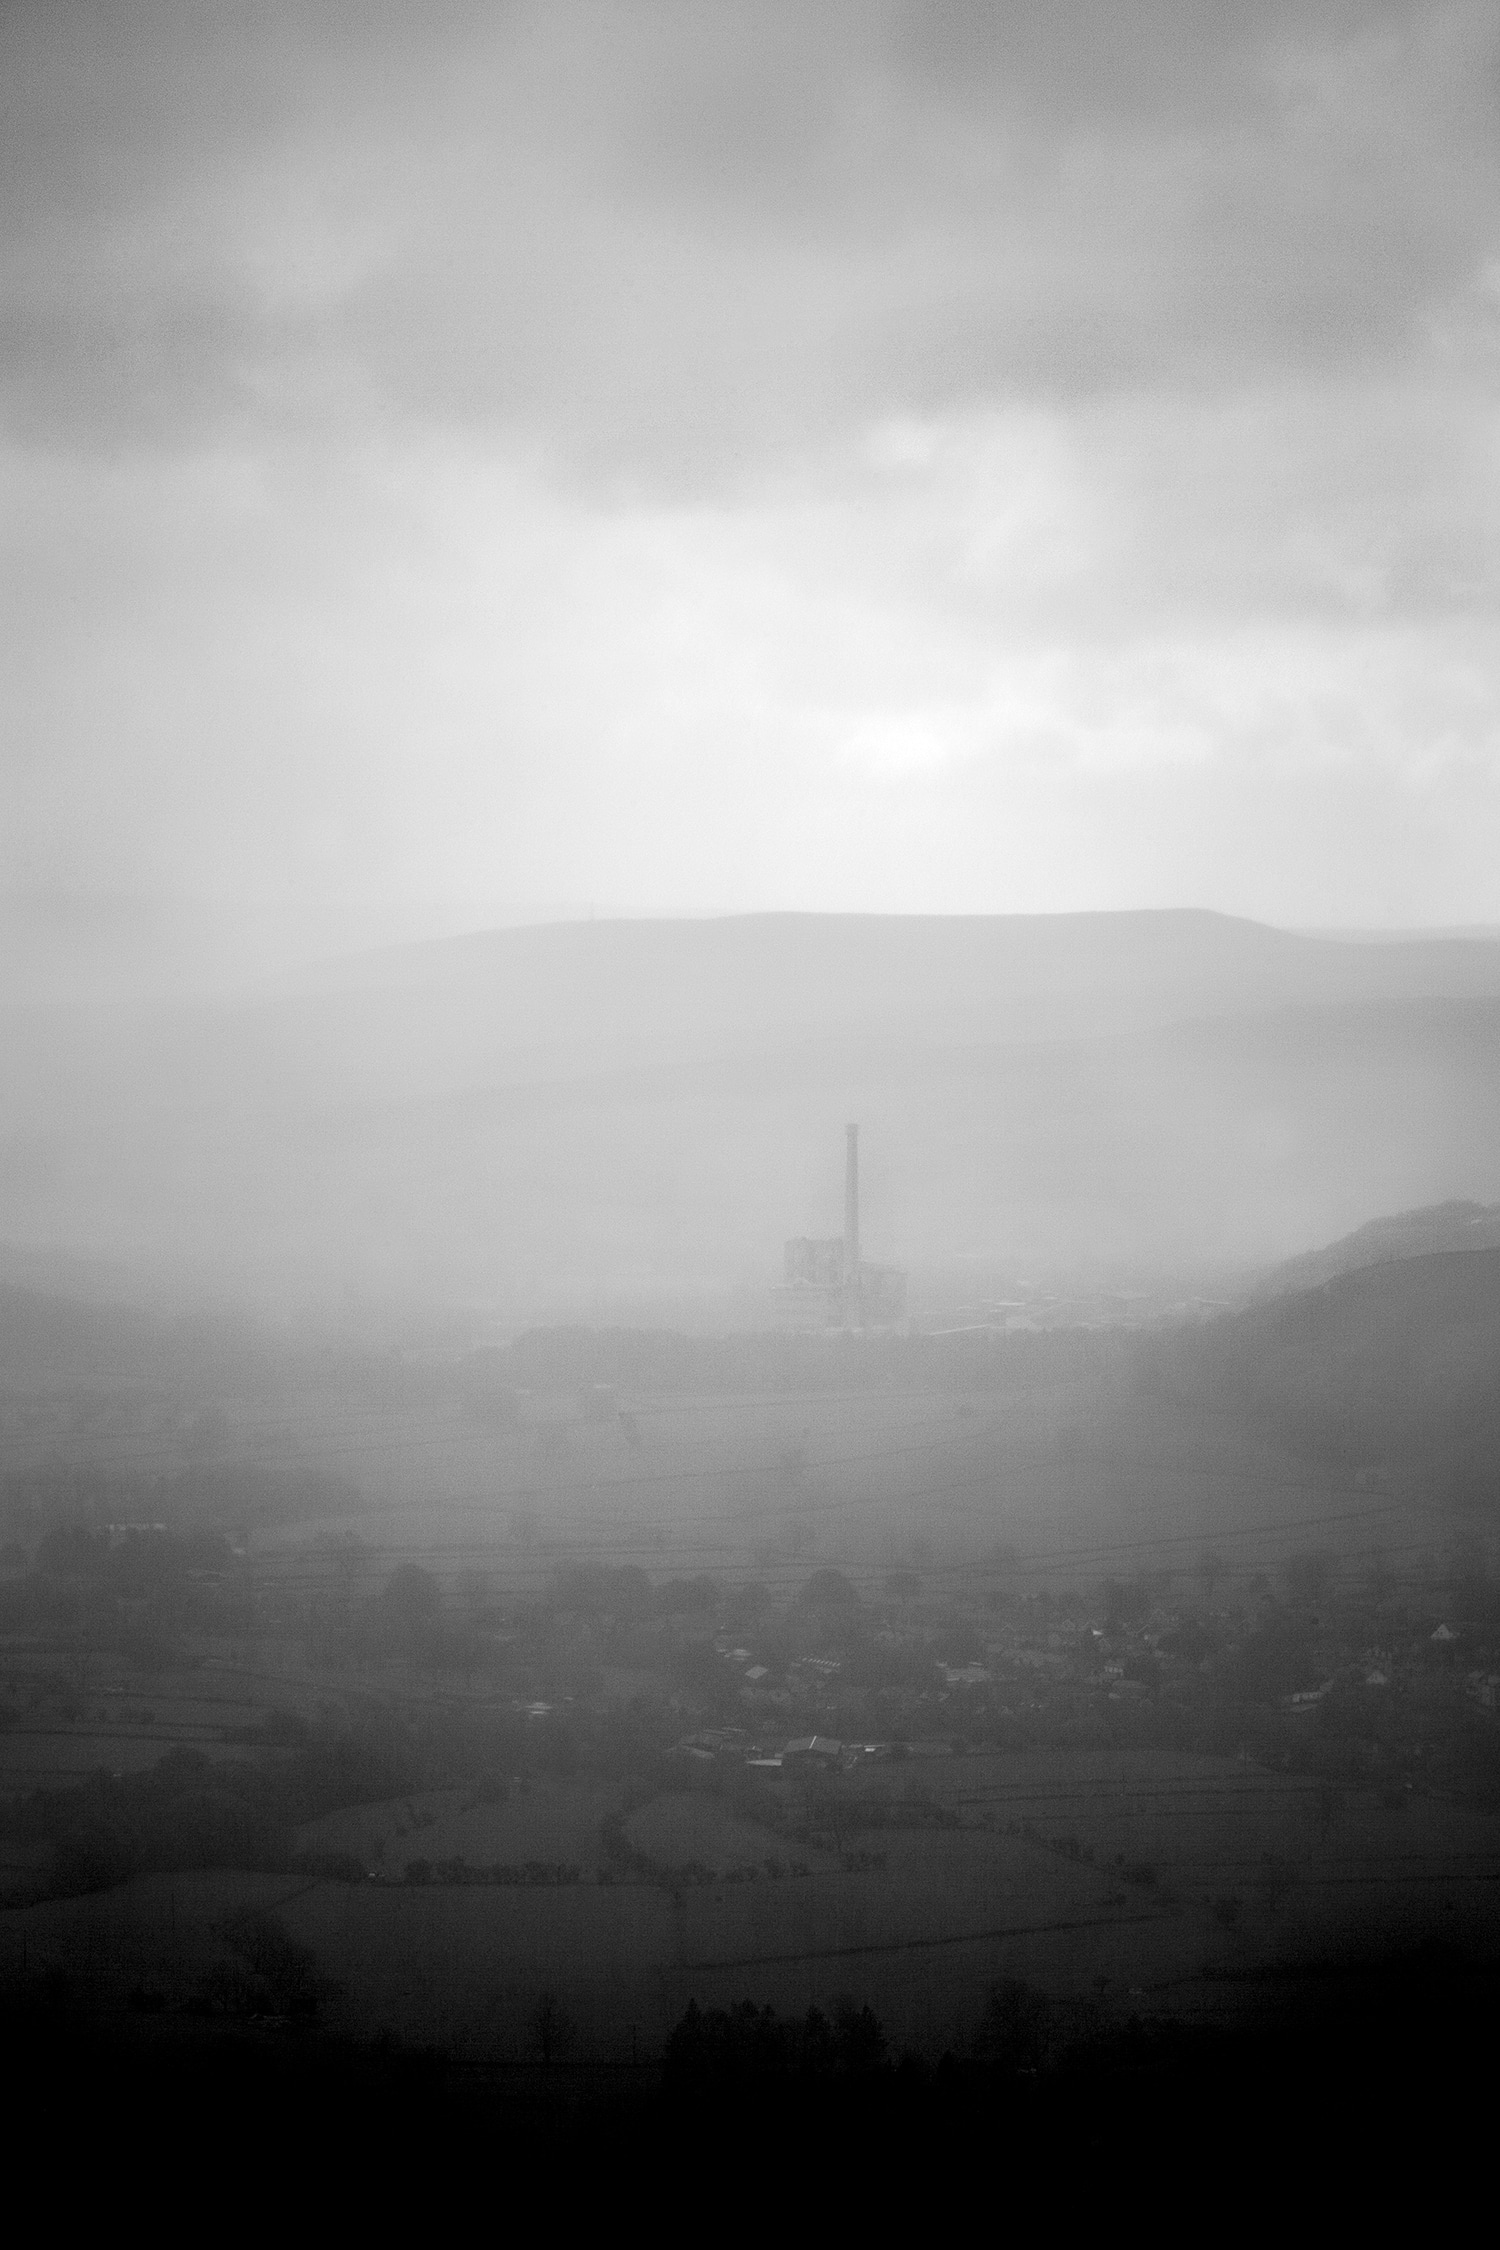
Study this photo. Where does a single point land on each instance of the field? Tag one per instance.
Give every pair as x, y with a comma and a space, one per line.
1062, 1479
684, 1829
1185, 1888
554, 1823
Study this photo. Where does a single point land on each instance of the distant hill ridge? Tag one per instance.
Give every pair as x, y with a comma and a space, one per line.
1424, 1233
973, 976
549, 1121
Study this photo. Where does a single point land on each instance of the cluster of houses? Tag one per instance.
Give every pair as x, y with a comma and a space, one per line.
805, 1752
1036, 1655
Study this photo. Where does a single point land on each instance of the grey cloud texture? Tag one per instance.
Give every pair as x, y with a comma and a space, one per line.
606, 222
754, 453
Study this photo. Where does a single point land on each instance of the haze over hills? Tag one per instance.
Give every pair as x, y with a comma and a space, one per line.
959, 977
1455, 1225
1395, 1364
80, 946
598, 1114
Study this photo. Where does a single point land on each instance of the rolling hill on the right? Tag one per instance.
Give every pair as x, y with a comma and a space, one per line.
1390, 1363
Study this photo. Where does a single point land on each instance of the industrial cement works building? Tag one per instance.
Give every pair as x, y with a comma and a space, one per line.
827, 1283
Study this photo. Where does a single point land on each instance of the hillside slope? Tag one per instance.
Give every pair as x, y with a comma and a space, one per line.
1455, 1225
1395, 1364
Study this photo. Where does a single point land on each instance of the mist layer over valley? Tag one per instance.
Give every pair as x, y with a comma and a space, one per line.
627, 1119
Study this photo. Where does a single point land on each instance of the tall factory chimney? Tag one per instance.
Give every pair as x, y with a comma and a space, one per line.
851, 1211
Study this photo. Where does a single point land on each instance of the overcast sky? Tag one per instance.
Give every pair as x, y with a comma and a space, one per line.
913, 457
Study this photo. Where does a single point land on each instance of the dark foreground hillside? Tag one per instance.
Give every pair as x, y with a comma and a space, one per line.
1377, 2083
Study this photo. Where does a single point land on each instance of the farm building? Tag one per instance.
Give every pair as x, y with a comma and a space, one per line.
813, 1750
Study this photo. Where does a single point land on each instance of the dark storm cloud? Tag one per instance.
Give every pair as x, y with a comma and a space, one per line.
671, 234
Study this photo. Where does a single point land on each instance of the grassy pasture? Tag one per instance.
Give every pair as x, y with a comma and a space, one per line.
556, 1821
920, 1938
157, 1931
921, 1933
686, 1826
72, 1715
1076, 1479
949, 1911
